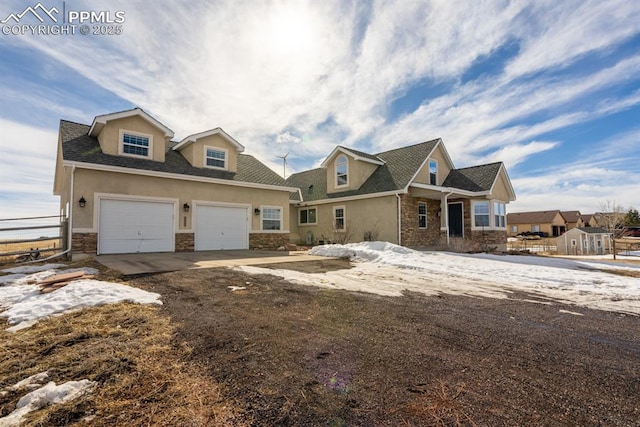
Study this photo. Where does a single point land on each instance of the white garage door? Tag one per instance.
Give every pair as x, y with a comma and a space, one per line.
134, 226
221, 227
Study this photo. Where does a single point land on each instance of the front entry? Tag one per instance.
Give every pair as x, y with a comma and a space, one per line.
455, 220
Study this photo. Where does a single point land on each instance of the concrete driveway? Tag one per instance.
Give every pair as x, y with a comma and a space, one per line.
174, 261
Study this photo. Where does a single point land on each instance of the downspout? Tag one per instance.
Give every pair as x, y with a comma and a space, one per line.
70, 217
399, 220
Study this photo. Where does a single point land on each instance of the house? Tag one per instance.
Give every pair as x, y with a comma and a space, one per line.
413, 196
590, 220
573, 219
551, 223
584, 241
126, 186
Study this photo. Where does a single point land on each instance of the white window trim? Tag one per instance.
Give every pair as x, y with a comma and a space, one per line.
429, 170
491, 225
137, 156
226, 157
426, 217
344, 218
302, 224
262, 208
335, 166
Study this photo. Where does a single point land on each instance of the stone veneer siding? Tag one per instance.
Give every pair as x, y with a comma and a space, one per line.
84, 243
411, 233
268, 240
185, 242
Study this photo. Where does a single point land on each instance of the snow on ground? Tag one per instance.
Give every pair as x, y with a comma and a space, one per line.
46, 395
387, 269
32, 268
23, 304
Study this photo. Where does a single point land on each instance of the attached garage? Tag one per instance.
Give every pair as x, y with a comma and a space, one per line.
131, 226
221, 227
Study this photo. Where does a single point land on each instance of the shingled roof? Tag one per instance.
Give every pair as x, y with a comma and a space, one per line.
473, 178
400, 166
540, 217
78, 146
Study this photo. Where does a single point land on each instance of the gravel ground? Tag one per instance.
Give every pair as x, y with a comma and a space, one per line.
294, 355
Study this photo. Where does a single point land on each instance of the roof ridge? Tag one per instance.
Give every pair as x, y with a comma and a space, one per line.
477, 166
408, 146
75, 123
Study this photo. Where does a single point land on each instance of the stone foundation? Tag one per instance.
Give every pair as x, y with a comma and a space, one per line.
86, 243
490, 240
268, 240
185, 242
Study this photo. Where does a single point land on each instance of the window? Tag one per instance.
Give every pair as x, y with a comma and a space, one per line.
574, 243
342, 177
422, 215
433, 172
499, 215
271, 218
535, 228
481, 214
215, 158
308, 216
136, 145
338, 218
514, 228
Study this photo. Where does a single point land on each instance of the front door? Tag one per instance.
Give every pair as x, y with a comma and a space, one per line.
455, 220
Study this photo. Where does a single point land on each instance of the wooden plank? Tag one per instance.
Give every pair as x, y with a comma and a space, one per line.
61, 277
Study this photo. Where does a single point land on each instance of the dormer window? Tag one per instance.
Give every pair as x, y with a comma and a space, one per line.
342, 167
215, 158
135, 144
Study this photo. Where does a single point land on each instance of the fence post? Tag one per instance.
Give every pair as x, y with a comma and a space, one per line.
65, 237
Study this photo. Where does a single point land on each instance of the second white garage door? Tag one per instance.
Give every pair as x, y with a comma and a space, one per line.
221, 228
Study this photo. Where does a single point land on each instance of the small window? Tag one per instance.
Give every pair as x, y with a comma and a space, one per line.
422, 215
308, 216
338, 218
215, 158
271, 218
574, 243
481, 214
535, 228
433, 172
499, 214
514, 228
136, 145
342, 165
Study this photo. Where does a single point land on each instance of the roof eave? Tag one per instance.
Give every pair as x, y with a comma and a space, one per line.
216, 131
100, 121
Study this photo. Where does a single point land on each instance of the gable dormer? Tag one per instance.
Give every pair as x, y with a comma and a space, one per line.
436, 167
212, 149
348, 169
131, 133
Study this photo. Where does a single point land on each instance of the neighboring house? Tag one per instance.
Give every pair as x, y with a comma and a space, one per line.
127, 187
589, 220
552, 223
411, 196
584, 241
573, 219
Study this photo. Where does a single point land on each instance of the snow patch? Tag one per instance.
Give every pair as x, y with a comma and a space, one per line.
32, 268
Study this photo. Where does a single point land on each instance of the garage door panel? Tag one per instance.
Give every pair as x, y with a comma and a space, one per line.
221, 228
135, 226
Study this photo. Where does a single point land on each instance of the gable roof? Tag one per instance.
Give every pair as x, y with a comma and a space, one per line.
539, 217
398, 169
358, 155
473, 178
571, 216
79, 146
217, 131
100, 121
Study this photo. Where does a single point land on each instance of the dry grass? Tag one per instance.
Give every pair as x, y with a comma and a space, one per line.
46, 247
441, 405
143, 379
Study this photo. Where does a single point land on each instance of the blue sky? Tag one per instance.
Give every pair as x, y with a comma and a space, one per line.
550, 88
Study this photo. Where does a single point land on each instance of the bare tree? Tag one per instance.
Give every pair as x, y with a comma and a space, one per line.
611, 217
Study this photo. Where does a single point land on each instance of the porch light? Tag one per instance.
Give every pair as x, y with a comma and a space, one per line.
82, 202
186, 207
256, 211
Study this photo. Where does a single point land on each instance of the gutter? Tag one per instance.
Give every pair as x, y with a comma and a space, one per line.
446, 215
70, 216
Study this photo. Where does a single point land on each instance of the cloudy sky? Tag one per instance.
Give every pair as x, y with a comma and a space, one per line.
551, 88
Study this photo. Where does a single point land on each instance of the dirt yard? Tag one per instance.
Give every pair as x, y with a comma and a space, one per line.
290, 355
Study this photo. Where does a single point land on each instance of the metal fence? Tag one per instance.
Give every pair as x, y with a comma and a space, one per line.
32, 238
